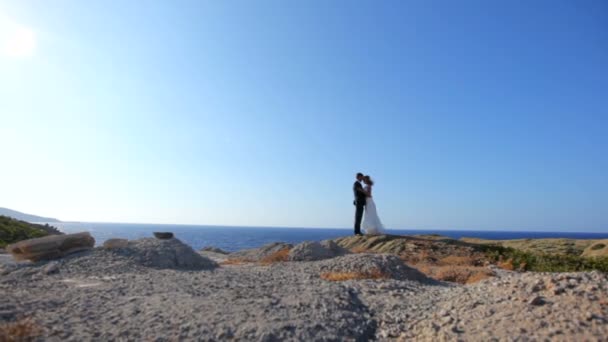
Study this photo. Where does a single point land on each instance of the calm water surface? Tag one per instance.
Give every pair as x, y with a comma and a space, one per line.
236, 238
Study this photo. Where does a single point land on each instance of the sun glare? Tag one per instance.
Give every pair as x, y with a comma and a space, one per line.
20, 42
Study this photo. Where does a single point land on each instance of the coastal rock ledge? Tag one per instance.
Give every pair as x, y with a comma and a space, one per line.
162, 290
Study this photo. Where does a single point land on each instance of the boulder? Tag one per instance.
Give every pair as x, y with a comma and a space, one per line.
116, 243
172, 254
313, 250
51, 247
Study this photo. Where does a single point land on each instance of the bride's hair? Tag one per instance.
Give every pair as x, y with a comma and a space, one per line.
368, 180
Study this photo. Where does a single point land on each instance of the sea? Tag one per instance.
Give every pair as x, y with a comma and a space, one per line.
237, 238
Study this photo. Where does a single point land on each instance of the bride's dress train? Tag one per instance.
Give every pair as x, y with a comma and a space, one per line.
371, 222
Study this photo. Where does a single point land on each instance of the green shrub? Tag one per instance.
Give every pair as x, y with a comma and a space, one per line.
537, 262
12, 230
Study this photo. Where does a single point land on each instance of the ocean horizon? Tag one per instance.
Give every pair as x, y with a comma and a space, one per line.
234, 238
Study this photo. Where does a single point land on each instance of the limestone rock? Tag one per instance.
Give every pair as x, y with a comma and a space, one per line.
51, 247
313, 250
116, 243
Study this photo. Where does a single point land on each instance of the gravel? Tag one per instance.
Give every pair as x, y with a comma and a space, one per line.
105, 295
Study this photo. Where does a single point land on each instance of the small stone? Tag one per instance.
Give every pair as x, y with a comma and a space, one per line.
7, 315
447, 320
456, 329
538, 286
537, 300
50, 268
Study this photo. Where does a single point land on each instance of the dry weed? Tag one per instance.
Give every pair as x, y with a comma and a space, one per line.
506, 265
479, 276
21, 330
454, 273
278, 256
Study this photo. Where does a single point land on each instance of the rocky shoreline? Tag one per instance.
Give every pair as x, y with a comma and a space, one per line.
162, 290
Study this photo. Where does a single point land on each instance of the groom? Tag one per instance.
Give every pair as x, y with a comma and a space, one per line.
359, 203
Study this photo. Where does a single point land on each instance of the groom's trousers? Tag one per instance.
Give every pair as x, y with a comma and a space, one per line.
358, 217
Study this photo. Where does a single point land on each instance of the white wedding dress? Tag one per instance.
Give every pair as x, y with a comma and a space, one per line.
371, 222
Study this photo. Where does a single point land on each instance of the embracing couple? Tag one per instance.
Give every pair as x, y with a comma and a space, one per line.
365, 203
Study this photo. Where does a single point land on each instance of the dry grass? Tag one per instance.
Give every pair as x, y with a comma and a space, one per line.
21, 330
342, 276
279, 256
421, 256
453, 260
359, 249
424, 268
463, 274
506, 265
479, 276
456, 274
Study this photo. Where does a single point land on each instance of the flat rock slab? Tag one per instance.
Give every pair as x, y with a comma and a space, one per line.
51, 247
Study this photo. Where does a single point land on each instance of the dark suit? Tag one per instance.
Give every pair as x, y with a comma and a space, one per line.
359, 204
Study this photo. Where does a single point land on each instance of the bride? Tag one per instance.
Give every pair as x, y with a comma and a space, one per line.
371, 222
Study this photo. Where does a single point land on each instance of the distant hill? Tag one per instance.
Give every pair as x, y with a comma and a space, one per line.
12, 230
25, 217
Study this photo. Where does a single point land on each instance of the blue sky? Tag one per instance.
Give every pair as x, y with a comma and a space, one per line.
469, 114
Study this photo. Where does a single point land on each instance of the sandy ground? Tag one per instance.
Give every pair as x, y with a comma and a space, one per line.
106, 295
